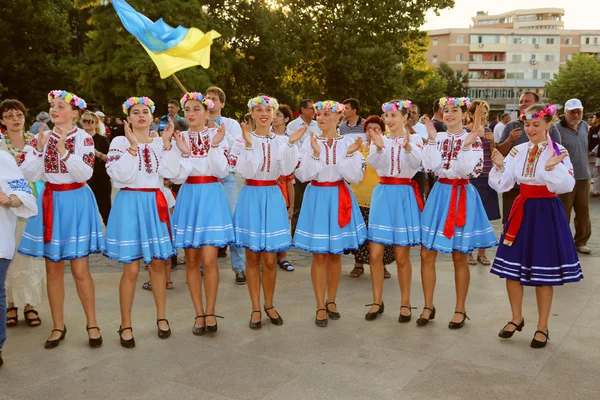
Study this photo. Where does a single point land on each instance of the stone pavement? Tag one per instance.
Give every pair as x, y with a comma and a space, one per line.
350, 359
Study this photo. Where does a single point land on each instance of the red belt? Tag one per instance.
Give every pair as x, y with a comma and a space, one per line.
161, 204
387, 180
47, 204
459, 219
515, 218
344, 200
254, 182
202, 179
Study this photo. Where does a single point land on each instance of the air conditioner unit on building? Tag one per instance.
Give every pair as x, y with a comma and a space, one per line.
480, 44
532, 61
537, 46
486, 72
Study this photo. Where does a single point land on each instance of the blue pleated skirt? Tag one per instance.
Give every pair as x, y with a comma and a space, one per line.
394, 218
261, 220
543, 253
76, 227
477, 232
318, 230
202, 217
135, 230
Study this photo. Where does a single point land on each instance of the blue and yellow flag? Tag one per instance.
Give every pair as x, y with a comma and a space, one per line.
171, 49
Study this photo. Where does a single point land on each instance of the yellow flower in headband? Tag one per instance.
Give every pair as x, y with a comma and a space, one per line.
455, 101
264, 100
329, 105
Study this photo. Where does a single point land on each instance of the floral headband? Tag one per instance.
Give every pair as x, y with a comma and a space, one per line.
396, 105
329, 105
208, 103
549, 109
68, 97
265, 101
130, 102
455, 101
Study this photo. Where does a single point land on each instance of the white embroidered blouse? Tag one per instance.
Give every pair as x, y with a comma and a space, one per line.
393, 160
447, 158
333, 164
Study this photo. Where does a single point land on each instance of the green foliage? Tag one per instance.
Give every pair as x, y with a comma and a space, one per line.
457, 80
580, 79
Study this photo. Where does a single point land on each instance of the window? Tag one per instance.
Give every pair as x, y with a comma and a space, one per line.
495, 57
516, 58
568, 41
535, 74
435, 41
568, 57
596, 40
549, 57
434, 60
534, 40
476, 57
587, 40
545, 75
549, 40
521, 18
515, 75
460, 39
459, 57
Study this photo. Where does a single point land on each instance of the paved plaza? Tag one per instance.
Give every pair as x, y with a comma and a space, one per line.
350, 359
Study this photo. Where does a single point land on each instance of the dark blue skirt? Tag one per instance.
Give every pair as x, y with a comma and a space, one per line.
488, 196
543, 253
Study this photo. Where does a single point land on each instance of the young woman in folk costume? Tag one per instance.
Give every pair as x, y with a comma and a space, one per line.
202, 220
139, 223
68, 227
396, 205
330, 221
261, 219
536, 247
453, 220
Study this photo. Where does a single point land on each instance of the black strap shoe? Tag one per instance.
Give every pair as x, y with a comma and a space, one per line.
536, 344
274, 321
255, 325
199, 331
321, 323
94, 343
127, 343
335, 315
504, 334
370, 316
458, 325
406, 318
215, 327
424, 321
50, 344
163, 334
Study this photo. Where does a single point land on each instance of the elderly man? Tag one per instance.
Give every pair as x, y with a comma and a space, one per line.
513, 135
574, 134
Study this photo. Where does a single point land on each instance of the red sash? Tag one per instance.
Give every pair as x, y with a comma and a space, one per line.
515, 218
344, 200
161, 204
202, 179
47, 204
456, 218
387, 180
255, 182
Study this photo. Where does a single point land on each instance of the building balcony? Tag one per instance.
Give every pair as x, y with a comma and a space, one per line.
485, 65
488, 83
589, 48
486, 47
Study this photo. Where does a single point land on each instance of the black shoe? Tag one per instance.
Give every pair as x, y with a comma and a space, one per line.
321, 323
199, 331
458, 325
536, 344
508, 334
370, 316
274, 321
163, 334
127, 343
50, 344
334, 315
215, 327
222, 252
255, 325
406, 318
94, 343
424, 321
240, 277
1, 360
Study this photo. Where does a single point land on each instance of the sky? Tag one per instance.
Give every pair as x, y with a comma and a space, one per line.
579, 14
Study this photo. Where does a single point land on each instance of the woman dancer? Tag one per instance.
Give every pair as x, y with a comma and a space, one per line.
536, 247
139, 223
198, 228
260, 218
396, 204
330, 221
453, 220
64, 156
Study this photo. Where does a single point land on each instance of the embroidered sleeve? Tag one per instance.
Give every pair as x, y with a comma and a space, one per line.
20, 185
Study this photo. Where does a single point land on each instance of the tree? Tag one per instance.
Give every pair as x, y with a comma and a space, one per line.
457, 81
580, 79
36, 50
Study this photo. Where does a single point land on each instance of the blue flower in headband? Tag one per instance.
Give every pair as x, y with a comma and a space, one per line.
130, 102
68, 97
196, 96
265, 101
329, 105
396, 105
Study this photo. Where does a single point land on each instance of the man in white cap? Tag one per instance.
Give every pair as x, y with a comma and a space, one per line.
574, 136
101, 116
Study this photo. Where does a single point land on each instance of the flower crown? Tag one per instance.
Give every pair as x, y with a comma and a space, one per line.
130, 102
549, 109
396, 105
68, 97
208, 103
329, 105
264, 100
455, 101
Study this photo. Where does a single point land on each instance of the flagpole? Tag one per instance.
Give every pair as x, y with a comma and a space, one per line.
178, 82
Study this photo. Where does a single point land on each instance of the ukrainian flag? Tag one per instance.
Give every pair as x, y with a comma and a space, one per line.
171, 49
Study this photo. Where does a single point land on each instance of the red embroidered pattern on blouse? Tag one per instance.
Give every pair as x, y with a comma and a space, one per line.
392, 169
199, 144
89, 159
88, 141
450, 149
266, 157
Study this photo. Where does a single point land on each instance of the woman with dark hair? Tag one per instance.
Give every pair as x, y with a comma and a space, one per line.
64, 156
396, 216
26, 275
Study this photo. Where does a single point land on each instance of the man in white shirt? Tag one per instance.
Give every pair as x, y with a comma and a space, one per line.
418, 127
233, 131
499, 128
306, 118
